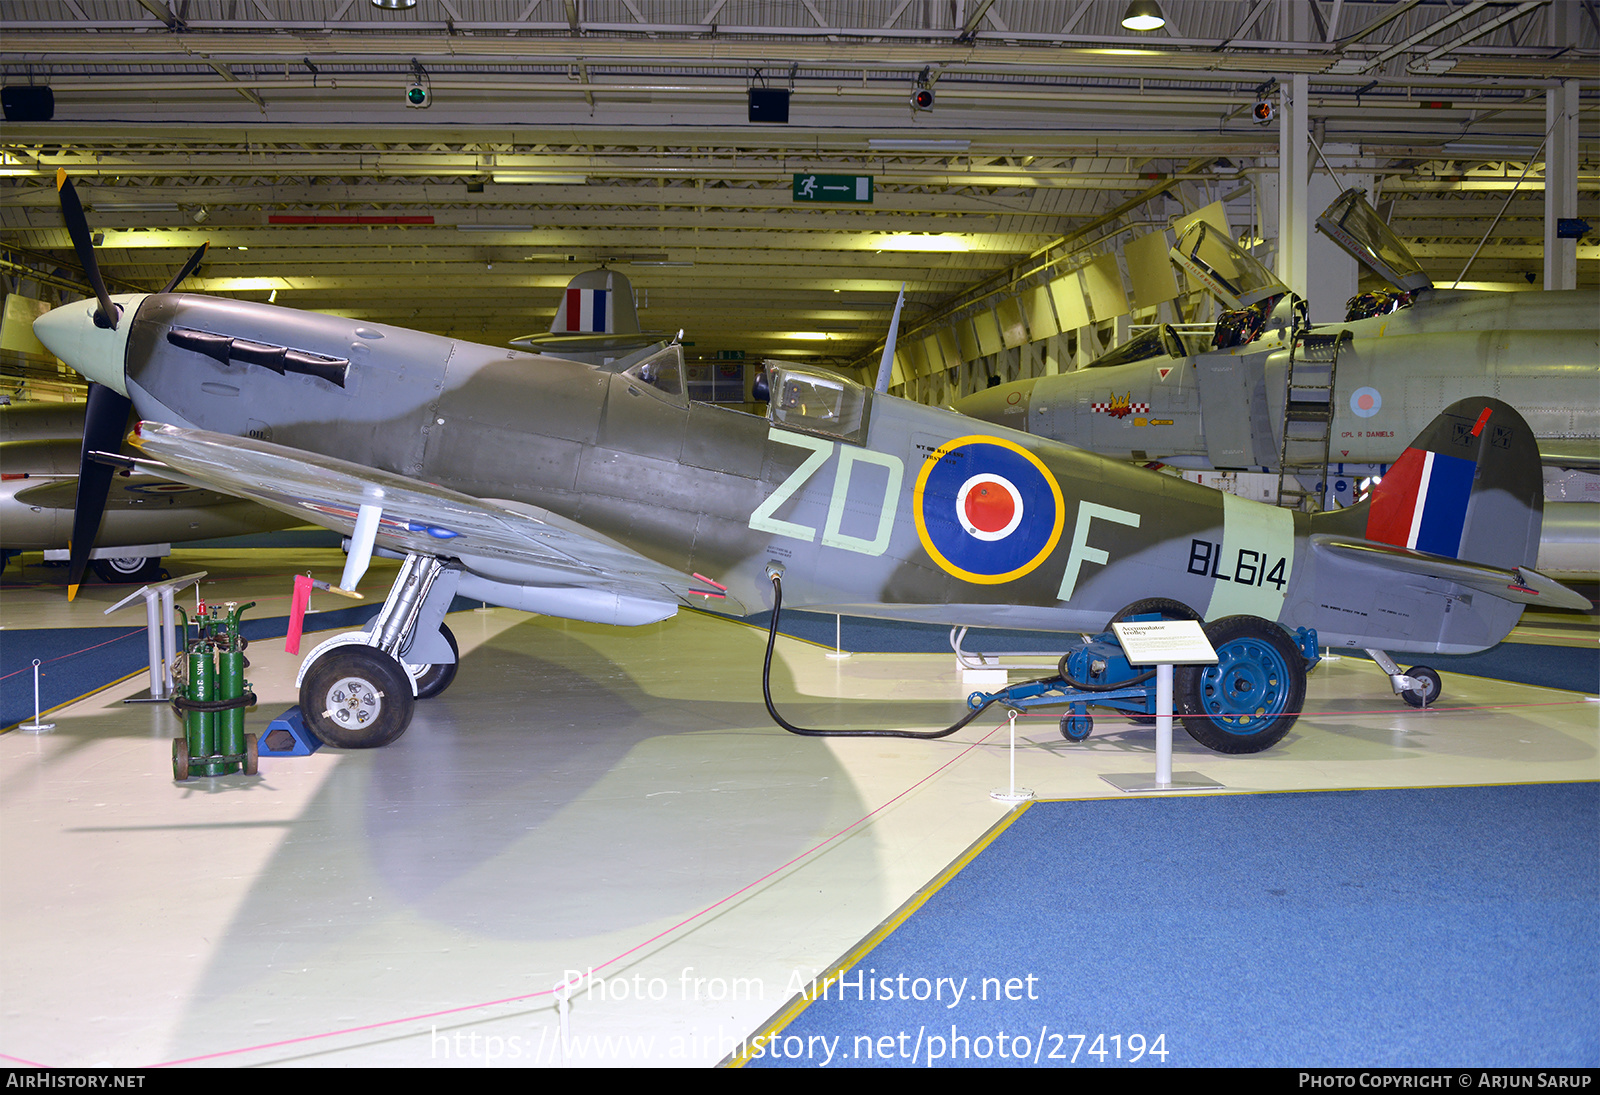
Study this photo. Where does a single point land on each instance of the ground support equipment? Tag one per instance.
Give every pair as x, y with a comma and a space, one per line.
1244, 704
212, 698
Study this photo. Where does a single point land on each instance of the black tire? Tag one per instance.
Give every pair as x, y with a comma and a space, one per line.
1433, 687
357, 697
437, 677
1169, 610
1247, 701
128, 571
1076, 727
180, 759
1166, 606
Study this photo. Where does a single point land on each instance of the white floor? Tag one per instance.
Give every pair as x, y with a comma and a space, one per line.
582, 798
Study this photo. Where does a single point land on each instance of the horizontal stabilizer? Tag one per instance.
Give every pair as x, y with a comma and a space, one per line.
1518, 584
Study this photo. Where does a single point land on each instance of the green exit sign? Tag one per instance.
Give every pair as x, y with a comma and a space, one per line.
833, 188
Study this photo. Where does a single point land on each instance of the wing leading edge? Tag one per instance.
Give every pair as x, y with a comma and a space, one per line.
516, 546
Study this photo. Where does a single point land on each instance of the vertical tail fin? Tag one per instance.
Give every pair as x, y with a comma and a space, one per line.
597, 302
1469, 487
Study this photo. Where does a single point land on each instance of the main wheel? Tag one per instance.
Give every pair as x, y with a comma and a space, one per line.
357, 697
1168, 609
1249, 699
133, 568
437, 677
1432, 687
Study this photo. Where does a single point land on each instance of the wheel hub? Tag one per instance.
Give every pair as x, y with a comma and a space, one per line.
353, 702
1248, 686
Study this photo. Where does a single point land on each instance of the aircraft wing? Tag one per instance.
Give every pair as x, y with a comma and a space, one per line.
1519, 584
132, 492
539, 547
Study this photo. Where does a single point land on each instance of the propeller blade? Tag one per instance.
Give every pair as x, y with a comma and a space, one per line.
104, 424
78, 229
188, 267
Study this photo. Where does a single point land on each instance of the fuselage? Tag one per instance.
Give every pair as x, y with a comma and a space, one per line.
868, 505
1386, 389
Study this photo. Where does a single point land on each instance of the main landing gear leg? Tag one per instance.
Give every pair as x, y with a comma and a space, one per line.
1419, 686
358, 690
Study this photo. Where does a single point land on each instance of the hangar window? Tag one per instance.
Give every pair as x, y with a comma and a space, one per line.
814, 401
661, 373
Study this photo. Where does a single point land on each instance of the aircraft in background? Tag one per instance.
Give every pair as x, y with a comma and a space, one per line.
41, 448
611, 497
596, 323
1361, 388
1275, 394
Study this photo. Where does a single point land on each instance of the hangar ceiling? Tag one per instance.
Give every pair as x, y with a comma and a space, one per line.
278, 130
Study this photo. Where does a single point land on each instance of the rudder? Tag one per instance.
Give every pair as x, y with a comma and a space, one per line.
1469, 487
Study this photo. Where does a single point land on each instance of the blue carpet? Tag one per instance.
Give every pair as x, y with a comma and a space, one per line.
1445, 927
78, 661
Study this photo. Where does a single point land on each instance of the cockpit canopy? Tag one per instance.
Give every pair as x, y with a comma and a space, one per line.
817, 401
1354, 225
1224, 267
1162, 340
661, 373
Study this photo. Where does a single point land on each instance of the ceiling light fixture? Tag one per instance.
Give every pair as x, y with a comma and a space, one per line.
394, 5
135, 207
522, 177
913, 144
906, 241
1144, 15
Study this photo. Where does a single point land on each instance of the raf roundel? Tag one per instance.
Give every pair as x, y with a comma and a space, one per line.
987, 510
1366, 402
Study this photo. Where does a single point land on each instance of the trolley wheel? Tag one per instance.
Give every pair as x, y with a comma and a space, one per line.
252, 755
1247, 701
180, 759
1076, 727
357, 697
437, 677
1432, 687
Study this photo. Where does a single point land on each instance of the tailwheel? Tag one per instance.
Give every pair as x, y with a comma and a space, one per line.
1432, 687
1247, 701
357, 697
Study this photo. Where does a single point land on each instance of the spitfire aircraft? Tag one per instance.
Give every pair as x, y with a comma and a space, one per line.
1352, 393
556, 487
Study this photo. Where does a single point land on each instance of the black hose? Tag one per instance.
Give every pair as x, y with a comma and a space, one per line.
766, 691
181, 704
